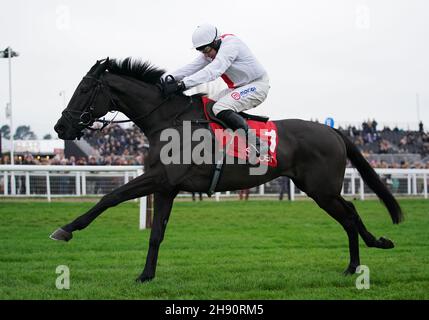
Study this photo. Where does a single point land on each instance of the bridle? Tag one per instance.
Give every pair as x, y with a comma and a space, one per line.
85, 118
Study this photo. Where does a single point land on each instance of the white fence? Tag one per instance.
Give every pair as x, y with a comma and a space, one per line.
67, 181
63, 181
78, 181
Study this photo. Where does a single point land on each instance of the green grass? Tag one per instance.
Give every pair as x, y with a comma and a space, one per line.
227, 250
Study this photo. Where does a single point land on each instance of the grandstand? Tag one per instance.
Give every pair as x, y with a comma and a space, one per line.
393, 148
389, 141
120, 145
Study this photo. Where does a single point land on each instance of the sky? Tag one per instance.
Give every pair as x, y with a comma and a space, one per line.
351, 60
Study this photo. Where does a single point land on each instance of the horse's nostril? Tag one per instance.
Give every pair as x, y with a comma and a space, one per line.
59, 128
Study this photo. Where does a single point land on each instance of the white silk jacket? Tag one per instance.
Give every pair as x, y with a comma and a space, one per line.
234, 62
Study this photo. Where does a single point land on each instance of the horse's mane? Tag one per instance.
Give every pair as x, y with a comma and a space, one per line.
141, 70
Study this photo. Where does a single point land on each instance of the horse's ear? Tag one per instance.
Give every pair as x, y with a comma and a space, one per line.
93, 68
98, 69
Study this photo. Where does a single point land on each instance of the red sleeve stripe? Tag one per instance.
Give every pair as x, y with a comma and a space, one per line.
228, 81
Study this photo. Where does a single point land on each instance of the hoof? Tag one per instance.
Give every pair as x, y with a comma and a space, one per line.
385, 243
61, 235
143, 278
350, 271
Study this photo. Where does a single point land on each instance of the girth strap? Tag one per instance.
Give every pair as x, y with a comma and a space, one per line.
218, 169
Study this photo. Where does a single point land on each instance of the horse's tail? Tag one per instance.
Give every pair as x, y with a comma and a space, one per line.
371, 178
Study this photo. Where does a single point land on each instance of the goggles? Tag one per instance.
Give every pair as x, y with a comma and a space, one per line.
204, 49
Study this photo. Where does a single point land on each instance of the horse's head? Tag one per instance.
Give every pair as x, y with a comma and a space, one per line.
88, 103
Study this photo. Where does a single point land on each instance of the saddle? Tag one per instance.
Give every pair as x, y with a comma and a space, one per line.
208, 109
254, 122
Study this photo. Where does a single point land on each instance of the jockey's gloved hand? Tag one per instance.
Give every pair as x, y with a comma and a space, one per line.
170, 86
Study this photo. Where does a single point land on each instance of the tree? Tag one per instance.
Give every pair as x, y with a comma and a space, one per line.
47, 137
5, 131
24, 133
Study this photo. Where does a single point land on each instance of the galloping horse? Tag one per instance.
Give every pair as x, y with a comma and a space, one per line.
313, 155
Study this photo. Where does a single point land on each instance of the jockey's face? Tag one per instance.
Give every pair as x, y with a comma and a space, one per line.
211, 54
208, 52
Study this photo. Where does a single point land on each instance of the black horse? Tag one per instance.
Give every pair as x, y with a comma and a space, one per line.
314, 156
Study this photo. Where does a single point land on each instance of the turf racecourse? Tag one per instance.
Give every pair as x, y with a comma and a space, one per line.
227, 250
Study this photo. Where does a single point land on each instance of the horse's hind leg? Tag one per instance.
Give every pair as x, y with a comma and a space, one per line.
367, 237
335, 207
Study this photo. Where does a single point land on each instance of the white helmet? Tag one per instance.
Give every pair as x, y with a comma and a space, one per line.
204, 35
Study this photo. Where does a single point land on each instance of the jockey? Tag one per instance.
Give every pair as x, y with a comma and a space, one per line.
228, 57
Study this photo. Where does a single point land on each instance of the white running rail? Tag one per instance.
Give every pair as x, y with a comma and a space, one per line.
78, 181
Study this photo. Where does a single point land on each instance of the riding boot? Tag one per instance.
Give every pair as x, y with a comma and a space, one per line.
235, 121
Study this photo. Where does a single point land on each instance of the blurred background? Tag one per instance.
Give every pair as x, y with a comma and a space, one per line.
362, 64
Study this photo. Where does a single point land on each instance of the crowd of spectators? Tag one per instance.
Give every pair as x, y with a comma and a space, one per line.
398, 142
116, 145
60, 159
115, 140
388, 141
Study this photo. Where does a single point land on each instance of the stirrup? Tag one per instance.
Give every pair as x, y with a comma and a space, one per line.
252, 149
257, 149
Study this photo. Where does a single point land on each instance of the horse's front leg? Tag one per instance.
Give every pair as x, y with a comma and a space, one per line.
163, 202
138, 187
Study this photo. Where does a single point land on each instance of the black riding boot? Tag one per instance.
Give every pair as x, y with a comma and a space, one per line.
234, 121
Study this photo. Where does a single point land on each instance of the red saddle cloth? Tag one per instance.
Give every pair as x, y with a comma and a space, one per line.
266, 131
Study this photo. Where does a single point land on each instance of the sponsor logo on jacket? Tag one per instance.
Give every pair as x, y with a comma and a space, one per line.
237, 95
